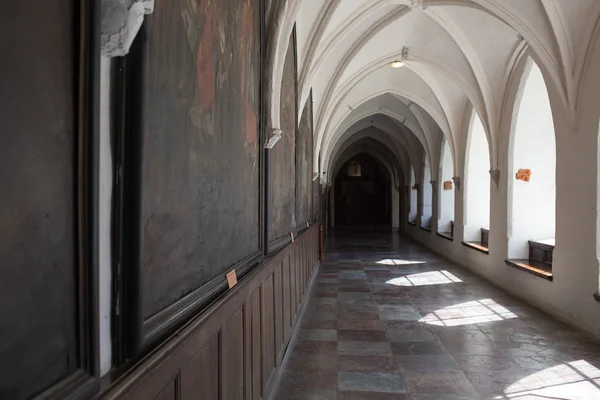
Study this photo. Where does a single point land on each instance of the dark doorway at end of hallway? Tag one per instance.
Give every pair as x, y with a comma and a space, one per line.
363, 193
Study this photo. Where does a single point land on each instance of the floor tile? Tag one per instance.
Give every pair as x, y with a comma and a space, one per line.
307, 395
443, 382
425, 364
313, 362
371, 396
308, 380
409, 335
370, 382
418, 348
370, 333
328, 335
361, 336
360, 324
366, 363
364, 348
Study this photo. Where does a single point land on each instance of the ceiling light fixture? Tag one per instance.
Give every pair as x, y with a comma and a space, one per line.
397, 64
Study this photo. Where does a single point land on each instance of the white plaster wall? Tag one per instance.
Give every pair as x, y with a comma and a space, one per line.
477, 182
427, 194
412, 212
575, 267
532, 212
105, 259
446, 214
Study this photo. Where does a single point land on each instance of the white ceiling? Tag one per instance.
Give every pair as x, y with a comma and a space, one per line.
461, 54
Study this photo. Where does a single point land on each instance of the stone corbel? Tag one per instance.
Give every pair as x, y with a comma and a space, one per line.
417, 4
495, 175
323, 182
121, 22
273, 139
456, 180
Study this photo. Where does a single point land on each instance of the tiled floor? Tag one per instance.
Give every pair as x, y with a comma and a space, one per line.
389, 319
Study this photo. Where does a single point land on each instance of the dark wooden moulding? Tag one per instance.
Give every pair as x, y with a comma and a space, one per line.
236, 347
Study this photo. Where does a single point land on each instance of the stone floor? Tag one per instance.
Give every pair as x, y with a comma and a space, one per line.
388, 319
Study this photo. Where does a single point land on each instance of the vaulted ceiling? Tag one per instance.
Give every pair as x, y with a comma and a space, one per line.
460, 57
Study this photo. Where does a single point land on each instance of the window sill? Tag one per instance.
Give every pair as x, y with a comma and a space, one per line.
446, 235
534, 267
478, 246
426, 228
412, 223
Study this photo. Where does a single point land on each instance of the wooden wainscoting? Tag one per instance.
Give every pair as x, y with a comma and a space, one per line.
234, 349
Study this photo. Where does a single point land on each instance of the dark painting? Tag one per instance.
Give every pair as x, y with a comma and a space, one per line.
282, 165
200, 121
38, 263
304, 164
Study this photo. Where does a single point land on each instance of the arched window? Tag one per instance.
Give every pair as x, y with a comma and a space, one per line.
477, 187
412, 198
427, 194
446, 192
532, 169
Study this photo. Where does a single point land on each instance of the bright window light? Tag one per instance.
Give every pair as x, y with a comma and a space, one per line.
425, 279
471, 312
576, 380
390, 261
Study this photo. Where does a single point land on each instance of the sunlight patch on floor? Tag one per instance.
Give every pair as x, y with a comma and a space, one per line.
471, 312
425, 279
577, 380
390, 261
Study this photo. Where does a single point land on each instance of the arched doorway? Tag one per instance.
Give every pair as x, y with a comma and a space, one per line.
363, 193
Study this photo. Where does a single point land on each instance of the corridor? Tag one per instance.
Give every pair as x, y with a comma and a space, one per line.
388, 319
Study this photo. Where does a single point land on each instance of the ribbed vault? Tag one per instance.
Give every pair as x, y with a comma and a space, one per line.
460, 58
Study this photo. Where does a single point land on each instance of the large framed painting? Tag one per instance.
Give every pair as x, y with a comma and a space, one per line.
304, 165
282, 166
199, 118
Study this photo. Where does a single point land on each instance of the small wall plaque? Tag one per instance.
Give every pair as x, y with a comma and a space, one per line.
448, 185
524, 175
231, 279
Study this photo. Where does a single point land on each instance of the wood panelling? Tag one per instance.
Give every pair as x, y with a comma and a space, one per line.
256, 346
287, 298
169, 392
202, 372
233, 349
268, 330
278, 293
232, 356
